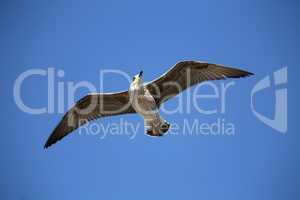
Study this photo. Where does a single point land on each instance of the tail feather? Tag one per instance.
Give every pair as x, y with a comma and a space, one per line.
159, 130
164, 127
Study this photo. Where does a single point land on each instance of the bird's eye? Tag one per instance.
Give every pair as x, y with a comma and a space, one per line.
133, 78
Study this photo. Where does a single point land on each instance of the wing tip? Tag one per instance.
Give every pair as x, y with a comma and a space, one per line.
248, 74
48, 144
51, 140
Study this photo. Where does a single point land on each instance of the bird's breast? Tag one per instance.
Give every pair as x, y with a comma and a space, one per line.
143, 102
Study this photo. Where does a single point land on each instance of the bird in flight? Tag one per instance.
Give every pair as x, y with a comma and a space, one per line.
144, 99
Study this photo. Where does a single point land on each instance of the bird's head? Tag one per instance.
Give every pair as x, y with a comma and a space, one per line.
138, 79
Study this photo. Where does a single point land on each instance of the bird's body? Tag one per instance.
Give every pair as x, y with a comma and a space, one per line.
143, 99
144, 104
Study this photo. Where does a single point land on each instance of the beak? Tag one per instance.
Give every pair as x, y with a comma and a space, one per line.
141, 74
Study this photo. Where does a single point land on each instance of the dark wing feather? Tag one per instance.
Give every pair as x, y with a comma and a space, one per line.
185, 74
89, 108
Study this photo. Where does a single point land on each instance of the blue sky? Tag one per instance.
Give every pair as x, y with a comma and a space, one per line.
84, 37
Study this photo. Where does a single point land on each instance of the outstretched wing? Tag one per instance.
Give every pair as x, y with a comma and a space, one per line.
188, 73
89, 108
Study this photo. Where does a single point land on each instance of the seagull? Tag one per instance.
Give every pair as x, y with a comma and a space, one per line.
142, 98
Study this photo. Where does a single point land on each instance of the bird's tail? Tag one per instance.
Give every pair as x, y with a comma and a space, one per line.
158, 130
164, 127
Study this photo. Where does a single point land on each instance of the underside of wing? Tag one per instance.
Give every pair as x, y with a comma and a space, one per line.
185, 74
89, 108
